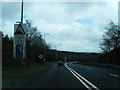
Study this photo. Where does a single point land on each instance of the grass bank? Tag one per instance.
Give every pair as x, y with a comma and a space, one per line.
13, 74
109, 66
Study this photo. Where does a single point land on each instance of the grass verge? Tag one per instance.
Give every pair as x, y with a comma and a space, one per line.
108, 66
14, 74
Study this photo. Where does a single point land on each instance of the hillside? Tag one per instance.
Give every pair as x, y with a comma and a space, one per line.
113, 57
77, 56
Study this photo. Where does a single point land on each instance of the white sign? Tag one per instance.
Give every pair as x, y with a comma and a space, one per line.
40, 56
20, 39
19, 29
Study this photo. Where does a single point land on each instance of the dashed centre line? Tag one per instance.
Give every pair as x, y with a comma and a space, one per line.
114, 75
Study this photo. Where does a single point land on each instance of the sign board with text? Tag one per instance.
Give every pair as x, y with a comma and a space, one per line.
19, 51
19, 41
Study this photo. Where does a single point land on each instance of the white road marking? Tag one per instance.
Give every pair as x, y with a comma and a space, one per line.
77, 77
114, 75
86, 80
81, 79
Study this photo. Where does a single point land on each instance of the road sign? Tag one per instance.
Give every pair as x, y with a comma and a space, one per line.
40, 56
19, 29
19, 41
19, 51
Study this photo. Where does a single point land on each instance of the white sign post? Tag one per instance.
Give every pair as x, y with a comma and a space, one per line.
19, 43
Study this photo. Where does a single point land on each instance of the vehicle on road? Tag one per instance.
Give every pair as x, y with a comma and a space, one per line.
60, 63
75, 62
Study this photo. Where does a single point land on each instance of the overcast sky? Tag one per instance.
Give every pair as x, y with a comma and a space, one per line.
72, 26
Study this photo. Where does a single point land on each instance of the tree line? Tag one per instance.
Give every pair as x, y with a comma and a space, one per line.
111, 38
110, 45
35, 44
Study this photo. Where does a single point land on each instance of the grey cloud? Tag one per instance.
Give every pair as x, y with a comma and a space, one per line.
58, 19
10, 10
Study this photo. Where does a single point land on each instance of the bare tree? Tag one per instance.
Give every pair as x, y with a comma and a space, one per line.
111, 38
105, 45
35, 43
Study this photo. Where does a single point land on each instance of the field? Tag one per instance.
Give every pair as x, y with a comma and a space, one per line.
13, 73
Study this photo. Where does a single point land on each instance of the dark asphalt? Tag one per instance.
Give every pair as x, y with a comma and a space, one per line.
101, 77
61, 77
55, 77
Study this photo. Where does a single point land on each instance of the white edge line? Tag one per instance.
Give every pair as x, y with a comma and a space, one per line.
77, 77
85, 79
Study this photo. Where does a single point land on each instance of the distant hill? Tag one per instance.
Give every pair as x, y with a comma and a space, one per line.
113, 57
78, 56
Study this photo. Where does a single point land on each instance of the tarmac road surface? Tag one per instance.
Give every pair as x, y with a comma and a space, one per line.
74, 76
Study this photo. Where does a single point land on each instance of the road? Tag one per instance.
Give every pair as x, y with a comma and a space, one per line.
74, 76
